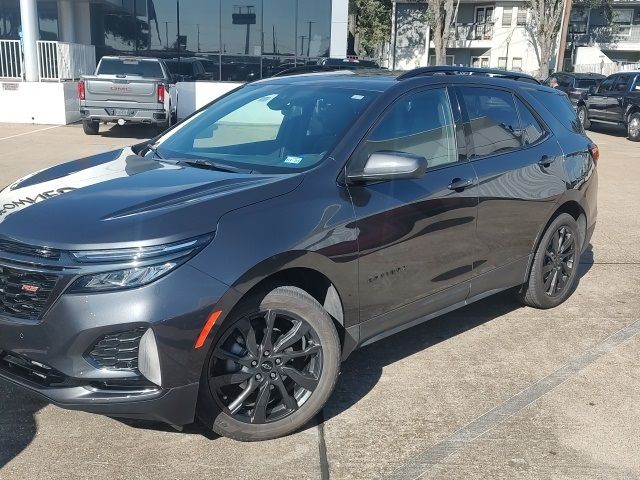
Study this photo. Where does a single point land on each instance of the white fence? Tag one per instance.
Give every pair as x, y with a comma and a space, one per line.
11, 66
606, 68
59, 61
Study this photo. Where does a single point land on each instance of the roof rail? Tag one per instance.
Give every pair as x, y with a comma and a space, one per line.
449, 70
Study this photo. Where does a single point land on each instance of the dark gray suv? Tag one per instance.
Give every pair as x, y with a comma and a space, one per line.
226, 268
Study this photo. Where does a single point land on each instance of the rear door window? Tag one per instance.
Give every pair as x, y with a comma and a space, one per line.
606, 85
620, 84
493, 118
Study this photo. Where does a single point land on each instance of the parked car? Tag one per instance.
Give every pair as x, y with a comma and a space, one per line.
127, 90
189, 69
575, 85
225, 268
615, 101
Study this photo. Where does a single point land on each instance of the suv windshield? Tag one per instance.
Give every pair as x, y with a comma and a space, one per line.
268, 128
133, 67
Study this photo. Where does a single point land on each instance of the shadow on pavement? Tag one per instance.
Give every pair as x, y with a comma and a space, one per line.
137, 132
614, 130
363, 369
360, 373
17, 420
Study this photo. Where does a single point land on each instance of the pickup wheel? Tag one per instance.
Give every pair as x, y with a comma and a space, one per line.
583, 116
633, 127
90, 127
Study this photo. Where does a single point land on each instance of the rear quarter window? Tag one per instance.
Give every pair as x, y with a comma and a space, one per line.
560, 107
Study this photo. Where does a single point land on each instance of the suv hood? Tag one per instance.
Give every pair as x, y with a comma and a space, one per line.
118, 200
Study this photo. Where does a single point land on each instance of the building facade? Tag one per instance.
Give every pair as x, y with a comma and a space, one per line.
46, 45
612, 34
498, 35
485, 34
237, 40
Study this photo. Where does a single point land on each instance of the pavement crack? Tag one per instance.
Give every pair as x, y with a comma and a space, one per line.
322, 448
421, 464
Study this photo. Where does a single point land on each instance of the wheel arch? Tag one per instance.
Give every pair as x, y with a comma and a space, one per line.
312, 273
630, 111
567, 205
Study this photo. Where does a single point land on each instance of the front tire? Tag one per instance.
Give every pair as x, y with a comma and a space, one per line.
554, 271
633, 127
271, 369
583, 117
91, 127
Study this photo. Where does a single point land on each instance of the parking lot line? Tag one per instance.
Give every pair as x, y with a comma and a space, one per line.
29, 133
420, 465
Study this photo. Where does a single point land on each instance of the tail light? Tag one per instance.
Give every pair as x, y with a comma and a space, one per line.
595, 152
161, 93
81, 92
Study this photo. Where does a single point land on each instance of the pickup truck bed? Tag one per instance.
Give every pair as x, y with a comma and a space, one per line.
120, 92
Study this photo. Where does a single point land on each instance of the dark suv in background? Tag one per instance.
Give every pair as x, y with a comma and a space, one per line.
227, 267
575, 85
615, 101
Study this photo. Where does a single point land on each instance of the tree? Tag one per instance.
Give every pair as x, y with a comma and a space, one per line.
441, 15
372, 23
546, 16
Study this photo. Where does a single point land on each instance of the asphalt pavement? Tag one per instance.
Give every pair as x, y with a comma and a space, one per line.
491, 391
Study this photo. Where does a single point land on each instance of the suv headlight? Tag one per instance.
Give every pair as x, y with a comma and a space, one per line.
140, 266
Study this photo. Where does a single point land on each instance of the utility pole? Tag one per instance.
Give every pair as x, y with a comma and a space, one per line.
309, 37
302, 37
564, 26
198, 26
166, 34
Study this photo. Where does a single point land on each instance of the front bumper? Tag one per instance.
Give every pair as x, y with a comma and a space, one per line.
175, 307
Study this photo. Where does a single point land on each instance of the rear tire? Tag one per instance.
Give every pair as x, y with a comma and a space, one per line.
583, 116
91, 127
554, 271
288, 385
633, 127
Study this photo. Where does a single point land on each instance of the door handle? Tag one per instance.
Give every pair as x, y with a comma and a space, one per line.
459, 184
545, 161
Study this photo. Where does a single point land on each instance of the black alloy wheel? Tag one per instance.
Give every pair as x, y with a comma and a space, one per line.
554, 270
266, 367
559, 261
271, 367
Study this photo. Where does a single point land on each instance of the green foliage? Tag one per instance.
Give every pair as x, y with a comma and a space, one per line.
373, 22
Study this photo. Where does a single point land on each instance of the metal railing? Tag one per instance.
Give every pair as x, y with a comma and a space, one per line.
60, 61
602, 34
606, 68
11, 66
473, 31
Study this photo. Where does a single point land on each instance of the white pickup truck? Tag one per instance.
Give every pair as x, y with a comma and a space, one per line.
127, 90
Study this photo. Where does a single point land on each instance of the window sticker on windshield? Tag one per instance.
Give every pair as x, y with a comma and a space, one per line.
294, 160
357, 97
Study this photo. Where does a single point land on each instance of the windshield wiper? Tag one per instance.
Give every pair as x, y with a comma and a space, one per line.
213, 165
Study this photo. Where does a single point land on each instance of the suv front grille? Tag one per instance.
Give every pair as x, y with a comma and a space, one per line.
24, 294
30, 250
117, 351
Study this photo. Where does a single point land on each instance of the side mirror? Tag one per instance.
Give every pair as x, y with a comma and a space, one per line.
385, 165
